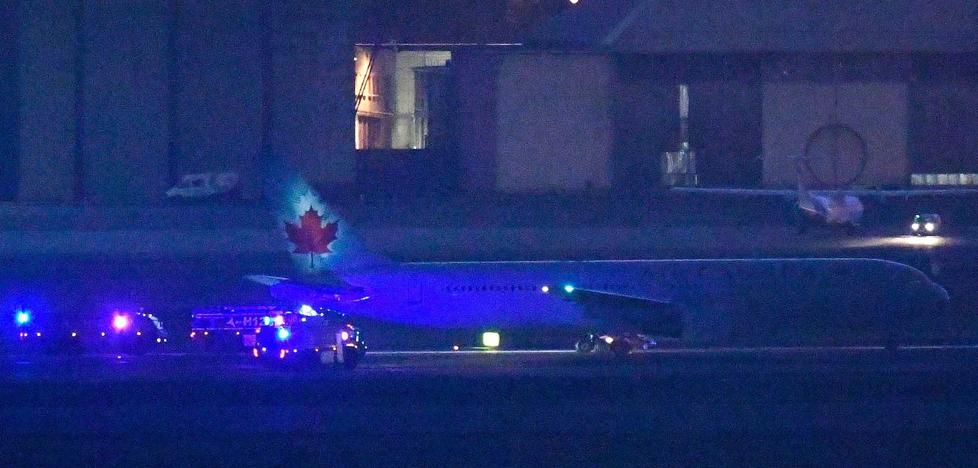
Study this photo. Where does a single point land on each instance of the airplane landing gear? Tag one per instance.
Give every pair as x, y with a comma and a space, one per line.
586, 344
621, 348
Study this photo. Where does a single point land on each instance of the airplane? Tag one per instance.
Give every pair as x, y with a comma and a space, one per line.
621, 305
826, 208
836, 208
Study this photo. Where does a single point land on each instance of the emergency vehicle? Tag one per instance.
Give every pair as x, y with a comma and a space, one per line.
309, 336
111, 331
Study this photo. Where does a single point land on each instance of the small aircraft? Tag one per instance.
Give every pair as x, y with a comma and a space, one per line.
838, 208
615, 304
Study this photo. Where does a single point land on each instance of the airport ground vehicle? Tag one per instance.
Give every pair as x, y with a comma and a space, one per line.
926, 224
322, 338
205, 185
230, 328
113, 331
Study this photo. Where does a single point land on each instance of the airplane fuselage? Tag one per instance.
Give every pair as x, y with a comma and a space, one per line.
719, 299
832, 210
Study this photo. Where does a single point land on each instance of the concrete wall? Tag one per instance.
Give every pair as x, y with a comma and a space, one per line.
177, 86
944, 126
554, 122
877, 111
125, 101
312, 107
475, 73
9, 102
646, 122
47, 51
218, 95
725, 131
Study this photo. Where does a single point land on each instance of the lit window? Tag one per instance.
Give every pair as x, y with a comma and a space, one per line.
400, 97
943, 179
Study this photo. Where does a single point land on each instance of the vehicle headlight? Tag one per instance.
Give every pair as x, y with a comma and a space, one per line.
915, 226
929, 227
344, 335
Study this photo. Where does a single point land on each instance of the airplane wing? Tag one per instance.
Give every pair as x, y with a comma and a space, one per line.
743, 192
594, 294
323, 279
648, 315
321, 290
266, 280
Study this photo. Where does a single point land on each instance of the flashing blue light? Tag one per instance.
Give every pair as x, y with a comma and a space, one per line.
568, 288
283, 334
307, 310
266, 320
22, 317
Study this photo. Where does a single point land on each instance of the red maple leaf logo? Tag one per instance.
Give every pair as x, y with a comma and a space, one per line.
311, 236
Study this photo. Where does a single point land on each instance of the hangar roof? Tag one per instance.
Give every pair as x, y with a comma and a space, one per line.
677, 26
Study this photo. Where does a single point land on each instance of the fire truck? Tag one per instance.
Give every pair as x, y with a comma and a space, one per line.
279, 335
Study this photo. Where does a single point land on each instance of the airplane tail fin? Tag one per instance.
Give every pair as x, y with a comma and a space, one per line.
803, 192
317, 238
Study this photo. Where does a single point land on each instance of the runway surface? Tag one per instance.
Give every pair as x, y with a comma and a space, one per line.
804, 406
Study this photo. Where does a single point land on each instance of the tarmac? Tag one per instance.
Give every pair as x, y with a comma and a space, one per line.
722, 406
862, 406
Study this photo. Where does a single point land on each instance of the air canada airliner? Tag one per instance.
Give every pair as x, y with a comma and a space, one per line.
621, 303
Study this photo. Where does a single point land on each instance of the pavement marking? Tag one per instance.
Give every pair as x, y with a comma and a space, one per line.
470, 352
20, 360
719, 350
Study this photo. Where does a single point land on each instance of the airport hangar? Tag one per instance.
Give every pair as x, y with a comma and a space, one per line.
869, 94
110, 103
